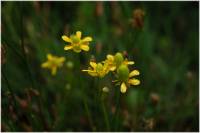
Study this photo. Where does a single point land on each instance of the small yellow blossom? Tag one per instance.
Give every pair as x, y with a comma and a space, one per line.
76, 43
114, 61
52, 63
97, 69
125, 78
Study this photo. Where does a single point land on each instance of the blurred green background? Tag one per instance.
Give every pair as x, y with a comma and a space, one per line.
164, 48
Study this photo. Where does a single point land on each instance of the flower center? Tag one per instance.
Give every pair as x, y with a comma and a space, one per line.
54, 63
99, 67
75, 39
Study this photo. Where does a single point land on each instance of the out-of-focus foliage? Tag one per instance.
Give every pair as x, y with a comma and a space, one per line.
160, 37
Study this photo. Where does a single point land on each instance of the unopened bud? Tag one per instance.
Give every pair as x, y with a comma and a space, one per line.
70, 64
105, 89
123, 72
118, 59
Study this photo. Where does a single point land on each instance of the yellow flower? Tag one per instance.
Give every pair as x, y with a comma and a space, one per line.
114, 61
76, 43
97, 70
125, 79
52, 63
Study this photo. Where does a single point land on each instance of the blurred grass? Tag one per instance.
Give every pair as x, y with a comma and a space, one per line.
165, 51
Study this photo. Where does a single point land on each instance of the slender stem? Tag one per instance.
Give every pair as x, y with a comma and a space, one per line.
105, 115
10, 89
84, 98
117, 111
96, 94
88, 112
23, 47
13, 49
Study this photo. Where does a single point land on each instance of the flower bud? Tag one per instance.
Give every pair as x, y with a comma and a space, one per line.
105, 89
69, 64
123, 72
118, 58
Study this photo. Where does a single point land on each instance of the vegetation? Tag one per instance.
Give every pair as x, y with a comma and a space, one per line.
161, 38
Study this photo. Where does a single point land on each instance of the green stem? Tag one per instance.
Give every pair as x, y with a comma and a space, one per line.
88, 112
105, 115
23, 48
96, 94
84, 99
117, 111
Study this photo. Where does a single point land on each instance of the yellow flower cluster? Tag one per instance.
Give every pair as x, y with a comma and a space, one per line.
117, 64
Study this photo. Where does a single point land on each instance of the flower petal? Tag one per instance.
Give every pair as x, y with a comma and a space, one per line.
130, 62
68, 47
87, 39
85, 47
93, 64
110, 57
112, 68
92, 73
53, 70
126, 62
86, 70
49, 56
61, 59
45, 65
66, 39
78, 34
123, 88
134, 73
77, 49
134, 81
